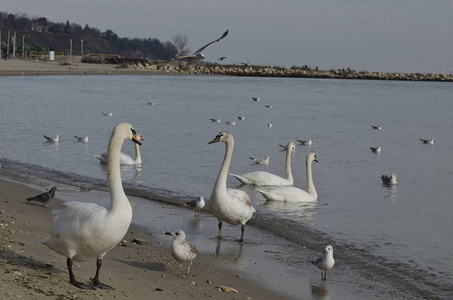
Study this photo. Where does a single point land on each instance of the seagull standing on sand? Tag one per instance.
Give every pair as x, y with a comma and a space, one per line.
260, 161
431, 141
44, 198
197, 56
83, 139
325, 262
181, 250
376, 149
51, 139
389, 180
197, 205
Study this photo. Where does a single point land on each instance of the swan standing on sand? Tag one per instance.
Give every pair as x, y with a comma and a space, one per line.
294, 194
229, 205
266, 178
124, 158
82, 231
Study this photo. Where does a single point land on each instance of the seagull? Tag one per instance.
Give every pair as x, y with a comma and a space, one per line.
221, 58
109, 114
242, 118
309, 142
284, 147
260, 161
197, 56
325, 262
231, 122
431, 141
376, 150
197, 204
256, 99
44, 198
215, 120
51, 139
151, 103
269, 124
181, 250
389, 180
379, 127
82, 138
268, 106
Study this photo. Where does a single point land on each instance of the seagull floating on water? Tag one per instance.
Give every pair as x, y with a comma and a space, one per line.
389, 180
256, 99
431, 141
51, 139
197, 56
181, 250
108, 114
268, 106
309, 142
231, 122
269, 124
325, 262
379, 127
197, 205
44, 198
242, 118
260, 161
215, 120
376, 149
82, 138
151, 103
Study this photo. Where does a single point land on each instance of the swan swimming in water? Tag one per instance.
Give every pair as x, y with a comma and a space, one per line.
266, 178
124, 158
229, 205
294, 194
82, 231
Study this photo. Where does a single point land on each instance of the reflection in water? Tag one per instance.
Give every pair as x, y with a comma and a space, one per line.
129, 173
232, 254
320, 292
304, 210
392, 192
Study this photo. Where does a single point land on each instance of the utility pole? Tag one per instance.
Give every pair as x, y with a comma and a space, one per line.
7, 46
70, 50
81, 48
14, 45
23, 47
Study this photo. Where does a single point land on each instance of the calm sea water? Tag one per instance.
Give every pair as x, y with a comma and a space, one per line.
402, 231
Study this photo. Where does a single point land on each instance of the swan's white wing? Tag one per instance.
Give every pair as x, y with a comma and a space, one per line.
287, 193
241, 196
262, 178
207, 45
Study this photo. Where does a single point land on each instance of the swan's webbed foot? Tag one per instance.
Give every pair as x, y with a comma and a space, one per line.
81, 285
96, 283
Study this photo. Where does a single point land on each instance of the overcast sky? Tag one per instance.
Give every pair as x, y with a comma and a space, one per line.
365, 35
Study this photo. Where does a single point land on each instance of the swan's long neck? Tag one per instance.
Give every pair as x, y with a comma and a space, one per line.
221, 182
138, 157
310, 186
114, 173
289, 174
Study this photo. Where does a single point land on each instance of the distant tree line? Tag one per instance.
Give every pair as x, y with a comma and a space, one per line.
42, 35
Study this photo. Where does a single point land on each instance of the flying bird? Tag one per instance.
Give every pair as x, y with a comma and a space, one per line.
44, 198
222, 58
82, 138
181, 250
198, 56
325, 262
197, 204
51, 139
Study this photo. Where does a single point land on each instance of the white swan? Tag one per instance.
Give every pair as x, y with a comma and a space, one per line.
124, 158
82, 231
230, 205
266, 178
294, 194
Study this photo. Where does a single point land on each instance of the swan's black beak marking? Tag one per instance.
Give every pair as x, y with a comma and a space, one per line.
217, 139
134, 137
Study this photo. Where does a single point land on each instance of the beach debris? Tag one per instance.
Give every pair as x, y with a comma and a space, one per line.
227, 289
208, 282
123, 244
45, 197
181, 250
140, 241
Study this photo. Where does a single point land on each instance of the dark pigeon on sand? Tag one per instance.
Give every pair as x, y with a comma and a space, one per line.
44, 198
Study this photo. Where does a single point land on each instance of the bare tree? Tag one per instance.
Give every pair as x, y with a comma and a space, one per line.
180, 42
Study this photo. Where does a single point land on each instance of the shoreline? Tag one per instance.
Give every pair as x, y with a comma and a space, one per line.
259, 268
19, 67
